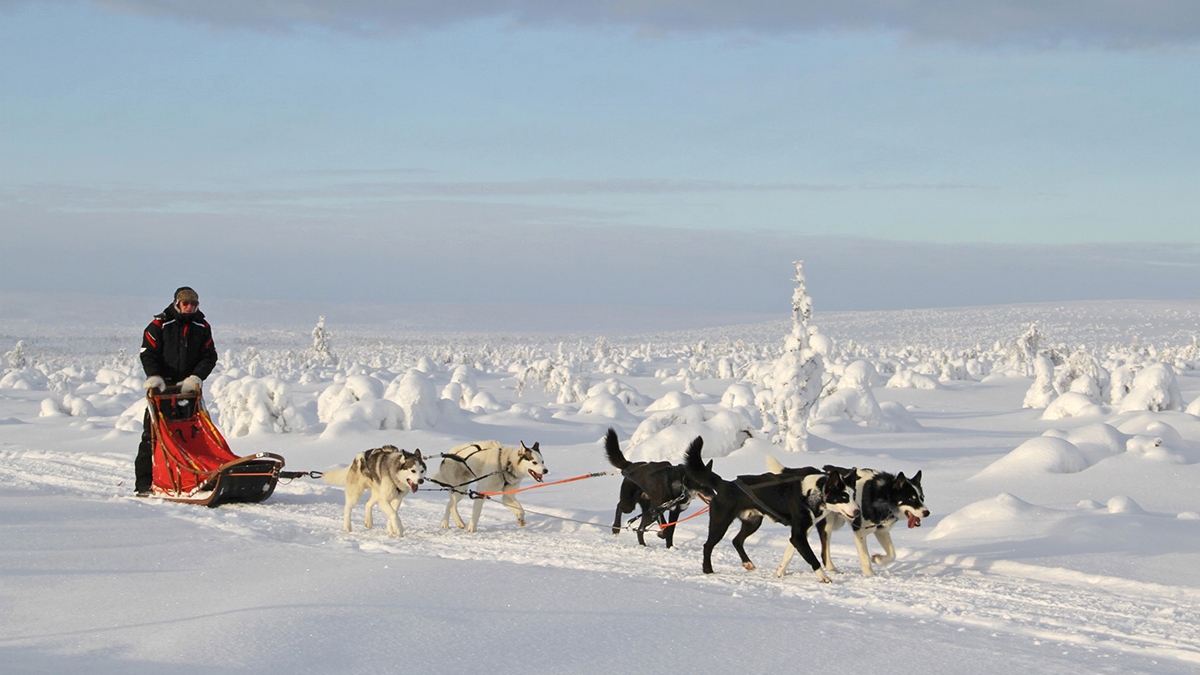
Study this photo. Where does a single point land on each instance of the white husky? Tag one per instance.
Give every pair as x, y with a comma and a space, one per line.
388, 473
487, 466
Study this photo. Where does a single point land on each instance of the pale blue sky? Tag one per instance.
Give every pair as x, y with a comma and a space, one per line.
328, 134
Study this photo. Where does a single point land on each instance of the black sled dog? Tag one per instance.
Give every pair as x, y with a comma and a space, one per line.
798, 500
656, 487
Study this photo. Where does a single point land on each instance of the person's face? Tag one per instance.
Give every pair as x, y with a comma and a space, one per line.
187, 306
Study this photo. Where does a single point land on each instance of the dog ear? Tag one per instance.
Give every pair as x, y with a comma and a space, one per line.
709, 465
916, 479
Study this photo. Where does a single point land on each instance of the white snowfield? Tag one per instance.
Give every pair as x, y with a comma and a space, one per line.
1064, 545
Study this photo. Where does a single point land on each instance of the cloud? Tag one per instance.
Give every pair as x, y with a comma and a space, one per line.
355, 195
1105, 23
519, 256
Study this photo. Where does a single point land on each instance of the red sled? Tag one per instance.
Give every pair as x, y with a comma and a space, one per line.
192, 461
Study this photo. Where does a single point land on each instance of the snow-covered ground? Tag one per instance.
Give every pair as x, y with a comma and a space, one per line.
1065, 537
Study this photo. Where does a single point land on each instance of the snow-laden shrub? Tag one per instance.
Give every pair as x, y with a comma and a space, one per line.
52, 407
1120, 382
1072, 404
740, 398
910, 379
366, 415
131, 419
622, 391
484, 402
462, 387
1154, 388
571, 387
339, 395
28, 379
656, 422
852, 404
738, 395
852, 400
258, 405
1082, 374
1041, 393
665, 436
417, 397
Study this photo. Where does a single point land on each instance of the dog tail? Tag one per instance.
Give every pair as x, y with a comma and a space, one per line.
773, 464
613, 449
336, 476
697, 471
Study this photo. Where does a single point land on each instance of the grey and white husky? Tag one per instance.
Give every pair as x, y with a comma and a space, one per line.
389, 473
488, 466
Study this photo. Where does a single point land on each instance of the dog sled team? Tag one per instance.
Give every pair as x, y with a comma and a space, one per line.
870, 501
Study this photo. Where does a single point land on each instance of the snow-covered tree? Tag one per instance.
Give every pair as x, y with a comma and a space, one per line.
17, 360
322, 352
797, 376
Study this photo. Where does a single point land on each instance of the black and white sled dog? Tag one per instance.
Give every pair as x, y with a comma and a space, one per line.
882, 499
488, 466
798, 500
658, 488
389, 473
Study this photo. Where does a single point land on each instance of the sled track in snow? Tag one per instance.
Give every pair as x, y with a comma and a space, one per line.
1062, 606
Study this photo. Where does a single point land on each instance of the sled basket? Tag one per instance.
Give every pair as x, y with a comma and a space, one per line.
192, 461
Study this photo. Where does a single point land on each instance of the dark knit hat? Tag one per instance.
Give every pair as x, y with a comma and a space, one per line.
186, 293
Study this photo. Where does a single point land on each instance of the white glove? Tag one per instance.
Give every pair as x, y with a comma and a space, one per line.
155, 382
190, 385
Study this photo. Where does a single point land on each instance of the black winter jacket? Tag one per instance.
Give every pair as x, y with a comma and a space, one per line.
174, 347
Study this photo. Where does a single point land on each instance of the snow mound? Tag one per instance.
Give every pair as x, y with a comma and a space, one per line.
672, 400
1123, 504
910, 379
1044, 454
1095, 441
1004, 516
607, 406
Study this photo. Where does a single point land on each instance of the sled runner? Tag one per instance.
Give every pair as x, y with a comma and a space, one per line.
192, 461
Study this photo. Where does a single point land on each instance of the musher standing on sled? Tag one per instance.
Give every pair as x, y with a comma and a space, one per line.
177, 348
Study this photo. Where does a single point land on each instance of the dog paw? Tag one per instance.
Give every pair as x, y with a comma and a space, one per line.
521, 522
749, 565
823, 578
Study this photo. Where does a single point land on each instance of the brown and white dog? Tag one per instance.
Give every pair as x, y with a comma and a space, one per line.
487, 466
389, 473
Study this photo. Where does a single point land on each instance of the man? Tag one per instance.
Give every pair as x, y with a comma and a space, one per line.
177, 349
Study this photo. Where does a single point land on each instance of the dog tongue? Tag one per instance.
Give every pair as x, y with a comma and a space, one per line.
413, 486
913, 521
